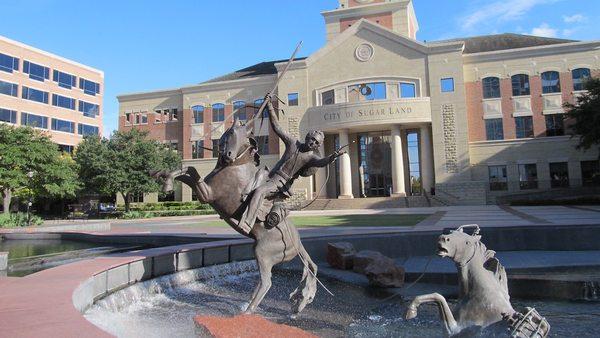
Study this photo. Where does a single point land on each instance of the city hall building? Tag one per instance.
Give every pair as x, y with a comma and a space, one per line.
466, 120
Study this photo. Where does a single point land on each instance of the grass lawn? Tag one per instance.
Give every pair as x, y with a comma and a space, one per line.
347, 221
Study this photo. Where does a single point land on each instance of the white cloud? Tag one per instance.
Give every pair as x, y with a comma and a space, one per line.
568, 32
500, 10
545, 30
575, 18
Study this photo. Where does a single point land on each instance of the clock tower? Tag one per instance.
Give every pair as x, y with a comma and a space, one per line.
396, 15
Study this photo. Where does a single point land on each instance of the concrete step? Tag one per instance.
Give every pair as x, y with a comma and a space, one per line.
369, 203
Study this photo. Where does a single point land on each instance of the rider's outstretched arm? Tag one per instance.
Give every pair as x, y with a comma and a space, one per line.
322, 162
274, 120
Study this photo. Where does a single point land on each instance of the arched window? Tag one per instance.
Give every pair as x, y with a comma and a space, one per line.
491, 88
218, 112
257, 104
520, 85
198, 112
550, 82
239, 110
580, 76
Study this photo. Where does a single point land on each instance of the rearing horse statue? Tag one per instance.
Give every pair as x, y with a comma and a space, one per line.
236, 168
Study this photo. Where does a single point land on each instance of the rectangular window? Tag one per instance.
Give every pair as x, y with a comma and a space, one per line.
89, 109
239, 110
63, 79
328, 97
262, 143
494, 130
590, 173
491, 88
498, 177
520, 85
524, 125
63, 101
34, 95
555, 125
7, 115
65, 148
86, 130
173, 145
215, 148
559, 175
528, 176
198, 114
33, 120
144, 118
218, 112
198, 149
447, 85
367, 92
89, 87
35, 71
550, 82
292, 99
580, 76
64, 126
8, 63
408, 90
8, 88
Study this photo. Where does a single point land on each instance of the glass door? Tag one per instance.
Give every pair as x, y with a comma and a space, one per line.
376, 164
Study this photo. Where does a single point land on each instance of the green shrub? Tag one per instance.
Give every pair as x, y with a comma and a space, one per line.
18, 219
163, 206
164, 213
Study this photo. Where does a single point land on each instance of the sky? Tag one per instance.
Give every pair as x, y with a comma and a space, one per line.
149, 45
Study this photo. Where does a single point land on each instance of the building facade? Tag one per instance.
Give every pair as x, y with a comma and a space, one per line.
468, 120
51, 93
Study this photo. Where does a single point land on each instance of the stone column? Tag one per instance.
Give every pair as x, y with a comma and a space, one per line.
345, 168
398, 188
427, 169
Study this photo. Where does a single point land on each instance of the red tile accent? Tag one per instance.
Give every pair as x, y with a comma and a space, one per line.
508, 121
185, 144
537, 106
566, 87
476, 126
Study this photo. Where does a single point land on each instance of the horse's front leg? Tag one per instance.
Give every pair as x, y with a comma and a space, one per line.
445, 312
204, 192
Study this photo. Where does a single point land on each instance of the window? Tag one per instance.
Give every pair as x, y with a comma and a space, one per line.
257, 104
89, 87
239, 110
520, 85
491, 88
292, 99
447, 85
555, 125
328, 97
35, 71
590, 173
198, 149
63, 101
86, 130
89, 109
493, 129
8, 88
218, 112
198, 112
524, 125
580, 76
8, 63
407, 90
33, 120
64, 126
498, 178
528, 176
559, 175
144, 117
367, 92
262, 143
65, 148
215, 148
550, 82
173, 114
34, 95
63, 79
7, 115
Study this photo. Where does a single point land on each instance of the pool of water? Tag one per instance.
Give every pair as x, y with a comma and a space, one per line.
165, 307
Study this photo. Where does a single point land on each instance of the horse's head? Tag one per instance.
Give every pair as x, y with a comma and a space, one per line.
235, 142
459, 245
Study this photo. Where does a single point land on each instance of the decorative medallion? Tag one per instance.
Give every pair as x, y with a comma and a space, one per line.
364, 52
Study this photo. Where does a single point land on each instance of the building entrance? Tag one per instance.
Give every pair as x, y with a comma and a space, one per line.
375, 164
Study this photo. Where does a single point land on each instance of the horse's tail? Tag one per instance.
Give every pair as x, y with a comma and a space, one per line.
305, 293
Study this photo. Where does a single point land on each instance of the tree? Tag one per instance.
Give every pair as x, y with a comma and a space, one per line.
31, 165
122, 165
586, 115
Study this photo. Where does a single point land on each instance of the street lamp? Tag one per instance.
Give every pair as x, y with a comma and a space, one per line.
30, 175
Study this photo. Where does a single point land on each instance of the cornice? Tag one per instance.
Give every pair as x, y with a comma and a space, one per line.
571, 47
365, 10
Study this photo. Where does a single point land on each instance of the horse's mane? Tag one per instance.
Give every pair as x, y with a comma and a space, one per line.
254, 146
491, 263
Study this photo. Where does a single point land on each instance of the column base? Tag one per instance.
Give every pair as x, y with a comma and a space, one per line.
398, 194
345, 197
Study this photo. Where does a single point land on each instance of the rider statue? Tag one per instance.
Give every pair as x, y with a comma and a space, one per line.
299, 159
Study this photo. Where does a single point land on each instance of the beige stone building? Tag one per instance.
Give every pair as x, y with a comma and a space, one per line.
48, 92
467, 120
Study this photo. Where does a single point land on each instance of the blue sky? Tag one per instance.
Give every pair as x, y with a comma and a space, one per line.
148, 45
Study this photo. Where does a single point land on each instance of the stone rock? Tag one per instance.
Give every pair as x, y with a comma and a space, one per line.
247, 326
364, 258
340, 255
385, 273
3, 261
